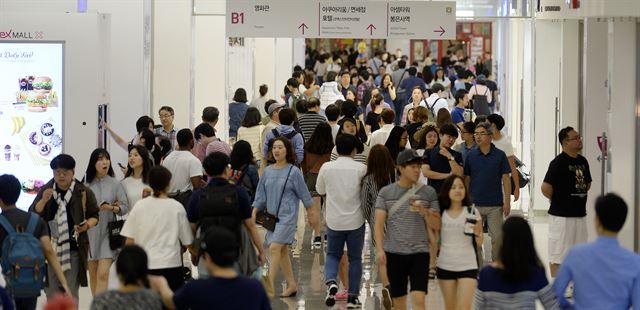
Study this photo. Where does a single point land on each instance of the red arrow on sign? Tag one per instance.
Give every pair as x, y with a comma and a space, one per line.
370, 28
441, 30
303, 26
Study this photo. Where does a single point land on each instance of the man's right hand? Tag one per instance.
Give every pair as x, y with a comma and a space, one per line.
47, 194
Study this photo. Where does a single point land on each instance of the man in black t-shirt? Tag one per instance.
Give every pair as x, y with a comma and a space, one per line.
441, 161
566, 184
8, 198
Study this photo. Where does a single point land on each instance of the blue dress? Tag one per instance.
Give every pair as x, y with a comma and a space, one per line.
268, 195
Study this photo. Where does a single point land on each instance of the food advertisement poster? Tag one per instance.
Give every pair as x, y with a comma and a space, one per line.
31, 107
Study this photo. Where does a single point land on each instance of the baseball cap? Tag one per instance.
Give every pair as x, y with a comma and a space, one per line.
482, 78
407, 156
273, 107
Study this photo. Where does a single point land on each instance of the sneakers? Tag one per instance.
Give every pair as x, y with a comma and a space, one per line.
317, 243
343, 294
568, 294
387, 302
353, 303
332, 289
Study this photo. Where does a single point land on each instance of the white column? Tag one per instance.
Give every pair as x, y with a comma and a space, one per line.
283, 65
595, 104
622, 118
570, 50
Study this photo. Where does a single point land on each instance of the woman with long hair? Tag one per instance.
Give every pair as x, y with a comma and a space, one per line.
517, 277
397, 141
350, 109
426, 138
349, 126
237, 110
417, 99
420, 117
387, 89
281, 199
443, 80
251, 131
134, 292
460, 232
317, 152
244, 169
136, 180
112, 200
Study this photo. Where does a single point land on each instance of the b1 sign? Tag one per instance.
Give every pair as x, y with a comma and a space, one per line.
272, 19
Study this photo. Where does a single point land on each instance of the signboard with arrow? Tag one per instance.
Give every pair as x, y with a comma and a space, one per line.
433, 20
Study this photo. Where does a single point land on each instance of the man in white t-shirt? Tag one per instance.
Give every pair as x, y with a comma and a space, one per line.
503, 143
436, 101
381, 135
185, 168
340, 181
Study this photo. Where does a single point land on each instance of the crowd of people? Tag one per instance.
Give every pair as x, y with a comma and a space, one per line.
419, 161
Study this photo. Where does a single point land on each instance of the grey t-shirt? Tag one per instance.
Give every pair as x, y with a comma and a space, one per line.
406, 231
145, 299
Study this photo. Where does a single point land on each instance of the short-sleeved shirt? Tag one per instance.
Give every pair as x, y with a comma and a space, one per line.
439, 163
308, 123
504, 144
145, 299
457, 115
406, 232
221, 293
486, 172
373, 120
570, 178
17, 216
183, 166
244, 202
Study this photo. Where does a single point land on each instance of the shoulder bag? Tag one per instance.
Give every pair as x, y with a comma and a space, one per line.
116, 241
268, 220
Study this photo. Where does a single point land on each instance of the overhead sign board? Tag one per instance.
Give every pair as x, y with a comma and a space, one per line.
342, 19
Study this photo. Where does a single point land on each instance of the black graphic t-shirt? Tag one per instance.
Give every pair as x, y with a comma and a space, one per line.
570, 178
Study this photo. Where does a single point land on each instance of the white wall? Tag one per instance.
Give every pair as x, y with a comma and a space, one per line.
569, 80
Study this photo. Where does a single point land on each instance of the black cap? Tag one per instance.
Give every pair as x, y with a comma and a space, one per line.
407, 156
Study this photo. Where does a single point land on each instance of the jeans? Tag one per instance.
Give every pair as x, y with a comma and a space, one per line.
494, 219
335, 244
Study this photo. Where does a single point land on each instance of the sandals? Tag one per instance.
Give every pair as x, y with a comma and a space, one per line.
432, 273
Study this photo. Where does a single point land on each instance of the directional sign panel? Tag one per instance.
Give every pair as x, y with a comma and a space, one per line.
352, 19
272, 19
422, 20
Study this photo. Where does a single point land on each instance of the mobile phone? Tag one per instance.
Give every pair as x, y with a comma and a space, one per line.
82, 223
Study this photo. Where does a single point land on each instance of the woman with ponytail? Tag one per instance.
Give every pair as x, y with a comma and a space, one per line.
134, 292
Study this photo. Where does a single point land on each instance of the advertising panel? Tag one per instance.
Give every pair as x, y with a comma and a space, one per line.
31, 110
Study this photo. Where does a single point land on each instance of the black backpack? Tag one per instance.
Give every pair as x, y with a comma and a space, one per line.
240, 178
480, 103
276, 134
218, 206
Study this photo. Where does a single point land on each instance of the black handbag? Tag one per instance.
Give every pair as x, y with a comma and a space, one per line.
116, 241
268, 220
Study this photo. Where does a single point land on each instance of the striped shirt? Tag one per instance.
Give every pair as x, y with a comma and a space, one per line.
495, 293
253, 135
308, 123
406, 230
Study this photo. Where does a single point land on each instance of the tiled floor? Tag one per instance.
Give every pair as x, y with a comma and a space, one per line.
309, 270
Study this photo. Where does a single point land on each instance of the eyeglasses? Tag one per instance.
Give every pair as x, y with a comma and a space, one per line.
478, 134
578, 137
165, 116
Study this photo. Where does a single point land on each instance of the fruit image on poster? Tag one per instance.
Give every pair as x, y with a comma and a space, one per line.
31, 110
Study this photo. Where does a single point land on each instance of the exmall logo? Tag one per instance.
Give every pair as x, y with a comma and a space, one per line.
21, 35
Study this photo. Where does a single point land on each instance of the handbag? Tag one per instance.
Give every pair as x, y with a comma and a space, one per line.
268, 220
116, 241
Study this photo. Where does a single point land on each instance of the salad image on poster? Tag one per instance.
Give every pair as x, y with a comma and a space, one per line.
31, 109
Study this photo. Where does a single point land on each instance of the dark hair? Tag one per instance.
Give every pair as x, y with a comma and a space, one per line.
287, 116
159, 179
421, 136
517, 253
412, 71
376, 101
443, 117
96, 155
313, 102
437, 87
364, 74
263, 90
420, 114
349, 108
382, 80
132, 266
309, 78
611, 211
332, 112
443, 196
241, 155
496, 120
184, 136
291, 154
402, 63
301, 106
345, 72
449, 129
381, 166
210, 114
215, 163
63, 161
345, 144
166, 108
296, 74
321, 140
203, 129
143, 122
564, 133
10, 189
331, 76
147, 162
268, 104
480, 119
293, 82
393, 142
387, 116
459, 96
240, 95
469, 127
427, 74
252, 117
221, 245
149, 138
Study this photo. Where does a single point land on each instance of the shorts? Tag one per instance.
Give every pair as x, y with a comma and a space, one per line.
404, 269
310, 179
564, 233
455, 275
